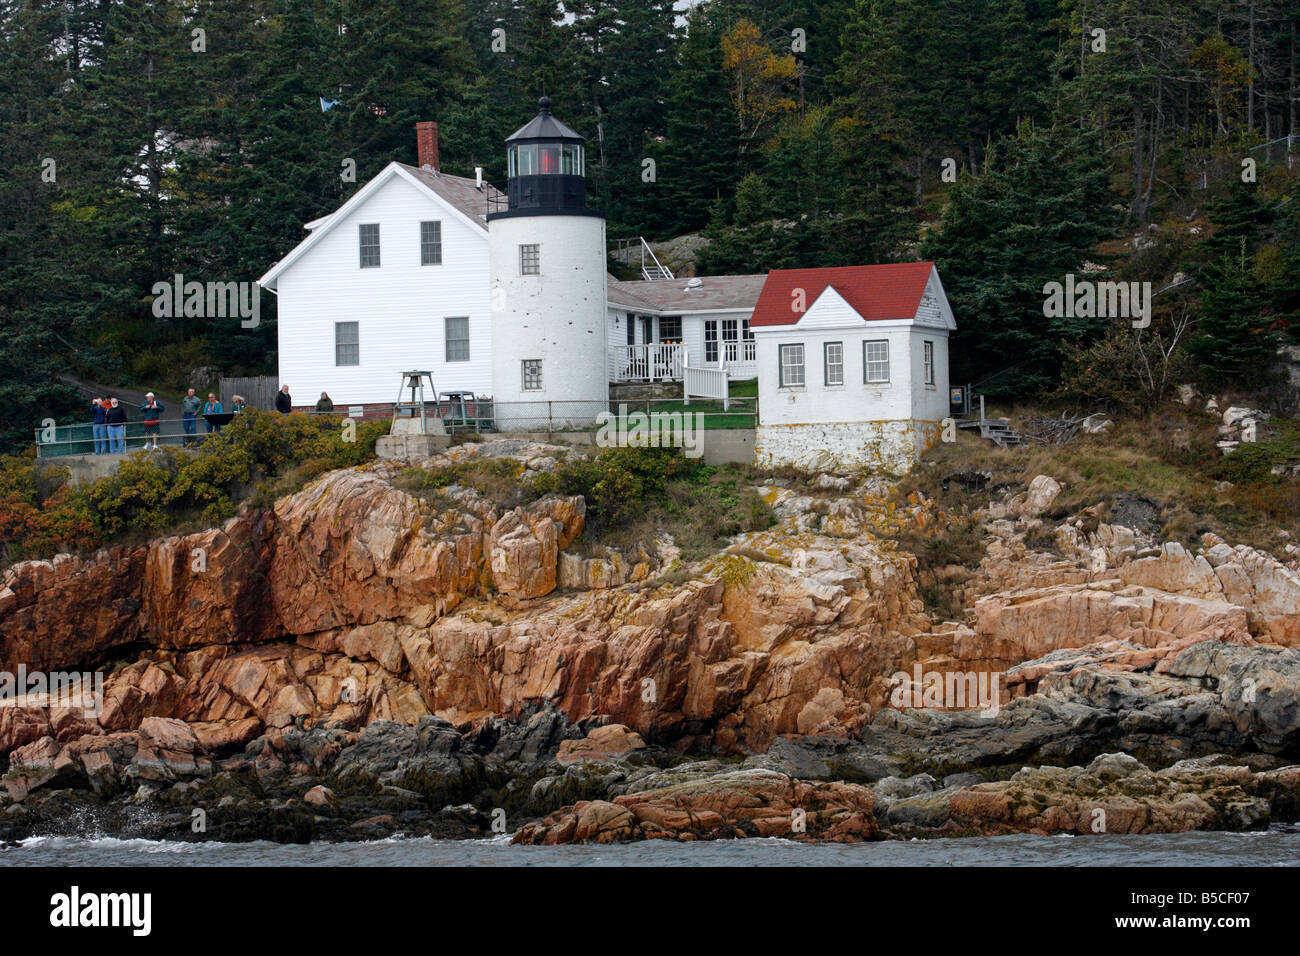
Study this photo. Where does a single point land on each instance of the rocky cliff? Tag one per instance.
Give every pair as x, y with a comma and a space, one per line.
426, 659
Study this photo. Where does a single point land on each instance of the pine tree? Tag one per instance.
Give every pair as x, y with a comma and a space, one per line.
699, 163
1040, 206
871, 142
1234, 342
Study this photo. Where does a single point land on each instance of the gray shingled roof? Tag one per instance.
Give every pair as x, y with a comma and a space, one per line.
459, 191
672, 295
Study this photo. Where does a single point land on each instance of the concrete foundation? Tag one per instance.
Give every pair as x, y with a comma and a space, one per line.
411, 447
889, 447
643, 391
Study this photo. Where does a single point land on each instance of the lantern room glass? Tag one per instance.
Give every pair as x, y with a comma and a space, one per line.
571, 160
545, 159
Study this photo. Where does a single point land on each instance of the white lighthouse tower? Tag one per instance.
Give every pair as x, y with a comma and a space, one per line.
547, 255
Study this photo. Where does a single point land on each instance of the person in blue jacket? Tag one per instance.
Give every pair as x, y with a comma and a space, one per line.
100, 428
211, 407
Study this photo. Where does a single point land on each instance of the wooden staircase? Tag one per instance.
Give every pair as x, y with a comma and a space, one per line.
996, 430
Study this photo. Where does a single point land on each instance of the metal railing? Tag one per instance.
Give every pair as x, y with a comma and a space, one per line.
477, 416
628, 250
714, 413
662, 362
79, 439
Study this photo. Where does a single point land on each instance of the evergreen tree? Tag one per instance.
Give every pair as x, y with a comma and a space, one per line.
699, 164
1234, 341
871, 142
1031, 218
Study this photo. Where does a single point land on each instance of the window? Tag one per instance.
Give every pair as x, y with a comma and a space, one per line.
347, 344
631, 329
791, 366
369, 245
875, 361
834, 363
571, 161
431, 243
523, 160
711, 340
532, 375
457, 336
928, 348
670, 328
530, 260
747, 337
549, 160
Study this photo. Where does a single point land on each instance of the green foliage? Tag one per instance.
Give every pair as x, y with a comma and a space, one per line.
208, 163
617, 483
1030, 219
1253, 462
1235, 343
153, 492
1125, 370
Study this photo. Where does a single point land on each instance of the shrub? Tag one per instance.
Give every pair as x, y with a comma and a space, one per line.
155, 492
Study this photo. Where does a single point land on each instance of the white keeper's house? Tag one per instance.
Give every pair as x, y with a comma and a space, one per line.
852, 365
506, 294
503, 294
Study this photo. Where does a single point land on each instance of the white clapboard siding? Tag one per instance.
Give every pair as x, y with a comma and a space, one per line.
400, 307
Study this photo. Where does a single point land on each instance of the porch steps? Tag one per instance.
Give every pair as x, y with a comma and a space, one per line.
996, 430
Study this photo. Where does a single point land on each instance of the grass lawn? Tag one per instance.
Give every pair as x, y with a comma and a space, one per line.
741, 415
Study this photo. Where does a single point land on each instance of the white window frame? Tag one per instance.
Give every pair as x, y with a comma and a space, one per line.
363, 246
868, 362
523, 373
431, 249
828, 364
711, 345
927, 358
447, 339
786, 379
356, 344
536, 255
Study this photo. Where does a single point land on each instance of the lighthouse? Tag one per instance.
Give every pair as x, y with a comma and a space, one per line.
547, 260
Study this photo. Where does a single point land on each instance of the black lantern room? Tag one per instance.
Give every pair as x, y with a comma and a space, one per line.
546, 174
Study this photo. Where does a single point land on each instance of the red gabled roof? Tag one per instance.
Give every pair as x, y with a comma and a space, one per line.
891, 291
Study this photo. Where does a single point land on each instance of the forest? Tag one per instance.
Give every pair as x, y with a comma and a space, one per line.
1013, 142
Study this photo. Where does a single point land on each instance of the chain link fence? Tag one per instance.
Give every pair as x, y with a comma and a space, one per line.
460, 416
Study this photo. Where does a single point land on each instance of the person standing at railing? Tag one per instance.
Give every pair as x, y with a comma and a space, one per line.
100, 428
283, 402
191, 405
211, 407
115, 419
151, 411
324, 405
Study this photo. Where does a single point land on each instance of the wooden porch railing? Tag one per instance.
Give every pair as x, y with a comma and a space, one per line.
648, 363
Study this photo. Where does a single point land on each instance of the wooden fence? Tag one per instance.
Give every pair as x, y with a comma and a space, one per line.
258, 391
706, 383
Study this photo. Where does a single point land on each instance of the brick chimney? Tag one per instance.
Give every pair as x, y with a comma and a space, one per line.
426, 145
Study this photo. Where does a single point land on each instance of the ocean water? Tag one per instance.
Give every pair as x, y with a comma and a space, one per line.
1276, 847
